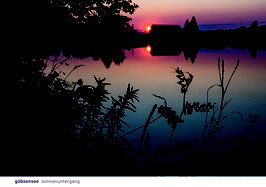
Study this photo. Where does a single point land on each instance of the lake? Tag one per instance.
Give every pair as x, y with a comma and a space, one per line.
155, 75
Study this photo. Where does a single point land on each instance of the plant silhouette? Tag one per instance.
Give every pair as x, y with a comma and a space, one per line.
213, 126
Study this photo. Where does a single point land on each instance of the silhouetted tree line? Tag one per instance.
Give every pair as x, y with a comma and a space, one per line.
105, 34
251, 38
78, 28
190, 39
59, 12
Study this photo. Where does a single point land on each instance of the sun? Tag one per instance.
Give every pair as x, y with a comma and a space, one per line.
148, 28
148, 48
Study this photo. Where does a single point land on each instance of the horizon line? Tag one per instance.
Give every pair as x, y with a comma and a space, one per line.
217, 26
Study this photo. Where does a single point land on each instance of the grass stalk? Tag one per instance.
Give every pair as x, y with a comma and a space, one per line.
145, 128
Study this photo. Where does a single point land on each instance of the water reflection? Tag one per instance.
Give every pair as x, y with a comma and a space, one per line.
117, 55
106, 54
190, 53
153, 78
152, 74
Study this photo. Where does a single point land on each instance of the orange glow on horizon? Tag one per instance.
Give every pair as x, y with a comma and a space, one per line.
148, 28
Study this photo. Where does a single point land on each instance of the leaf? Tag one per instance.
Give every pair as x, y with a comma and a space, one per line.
125, 123
160, 97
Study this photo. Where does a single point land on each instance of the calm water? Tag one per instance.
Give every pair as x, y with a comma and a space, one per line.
154, 75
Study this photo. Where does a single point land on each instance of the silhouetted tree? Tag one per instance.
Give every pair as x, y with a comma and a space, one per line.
254, 25
191, 26
50, 15
32, 13
82, 10
186, 26
194, 25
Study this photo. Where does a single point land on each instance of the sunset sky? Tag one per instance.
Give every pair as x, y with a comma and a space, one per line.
206, 11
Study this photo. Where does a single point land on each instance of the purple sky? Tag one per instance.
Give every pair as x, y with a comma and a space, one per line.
207, 12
